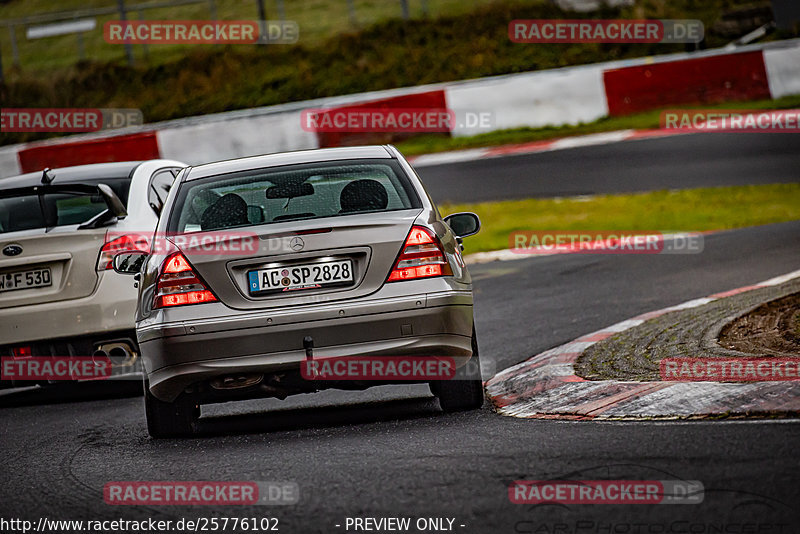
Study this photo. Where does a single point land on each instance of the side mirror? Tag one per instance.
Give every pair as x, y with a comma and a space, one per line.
463, 224
129, 262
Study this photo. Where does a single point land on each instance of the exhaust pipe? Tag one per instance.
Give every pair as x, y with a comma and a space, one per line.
100, 357
120, 353
236, 381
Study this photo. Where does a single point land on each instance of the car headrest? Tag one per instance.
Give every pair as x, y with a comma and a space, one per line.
363, 195
230, 210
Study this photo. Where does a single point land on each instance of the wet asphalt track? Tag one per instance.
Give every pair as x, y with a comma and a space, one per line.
389, 452
677, 162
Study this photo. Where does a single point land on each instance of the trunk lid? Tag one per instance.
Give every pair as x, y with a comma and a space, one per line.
368, 243
66, 254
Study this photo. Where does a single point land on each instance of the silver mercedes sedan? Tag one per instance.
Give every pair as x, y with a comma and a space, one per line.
296, 272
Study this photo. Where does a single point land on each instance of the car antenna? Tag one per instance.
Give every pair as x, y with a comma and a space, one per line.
47, 176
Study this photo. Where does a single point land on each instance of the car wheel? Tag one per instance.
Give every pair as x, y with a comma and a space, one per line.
168, 419
462, 392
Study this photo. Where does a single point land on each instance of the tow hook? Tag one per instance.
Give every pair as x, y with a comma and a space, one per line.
308, 345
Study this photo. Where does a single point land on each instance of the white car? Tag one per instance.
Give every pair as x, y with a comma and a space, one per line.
59, 231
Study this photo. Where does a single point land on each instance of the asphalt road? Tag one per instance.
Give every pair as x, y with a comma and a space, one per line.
389, 452
677, 162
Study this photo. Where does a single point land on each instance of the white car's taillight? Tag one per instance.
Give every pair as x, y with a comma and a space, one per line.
178, 285
422, 257
116, 244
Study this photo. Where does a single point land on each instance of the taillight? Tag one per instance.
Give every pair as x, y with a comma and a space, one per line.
23, 351
422, 257
122, 243
178, 285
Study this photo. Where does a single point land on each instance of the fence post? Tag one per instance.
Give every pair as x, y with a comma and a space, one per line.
14, 49
2, 78
404, 4
262, 21
145, 48
81, 47
351, 10
128, 46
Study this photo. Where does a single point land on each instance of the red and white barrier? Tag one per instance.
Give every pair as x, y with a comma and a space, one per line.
704, 80
63, 154
9, 162
534, 99
783, 71
205, 141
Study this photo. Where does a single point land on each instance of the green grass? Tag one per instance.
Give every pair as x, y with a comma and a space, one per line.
428, 144
318, 20
716, 208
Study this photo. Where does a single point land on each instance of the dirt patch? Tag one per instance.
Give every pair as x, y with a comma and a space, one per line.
770, 329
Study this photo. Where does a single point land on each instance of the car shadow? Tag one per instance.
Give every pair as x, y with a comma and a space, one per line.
317, 417
69, 392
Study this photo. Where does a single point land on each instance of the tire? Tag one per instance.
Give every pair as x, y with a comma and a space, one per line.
462, 393
168, 419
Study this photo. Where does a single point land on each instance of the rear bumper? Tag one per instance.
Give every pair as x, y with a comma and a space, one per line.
110, 308
126, 367
178, 355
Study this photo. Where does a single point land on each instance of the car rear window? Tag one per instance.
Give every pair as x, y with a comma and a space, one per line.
28, 211
297, 192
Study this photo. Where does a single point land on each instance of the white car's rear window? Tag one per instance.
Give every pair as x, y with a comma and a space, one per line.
24, 208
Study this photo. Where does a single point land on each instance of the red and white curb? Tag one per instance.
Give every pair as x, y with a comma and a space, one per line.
603, 138
546, 387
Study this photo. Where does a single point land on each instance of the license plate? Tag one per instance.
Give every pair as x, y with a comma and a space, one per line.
25, 279
296, 277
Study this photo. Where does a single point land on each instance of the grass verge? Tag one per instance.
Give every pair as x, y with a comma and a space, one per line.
428, 144
713, 208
